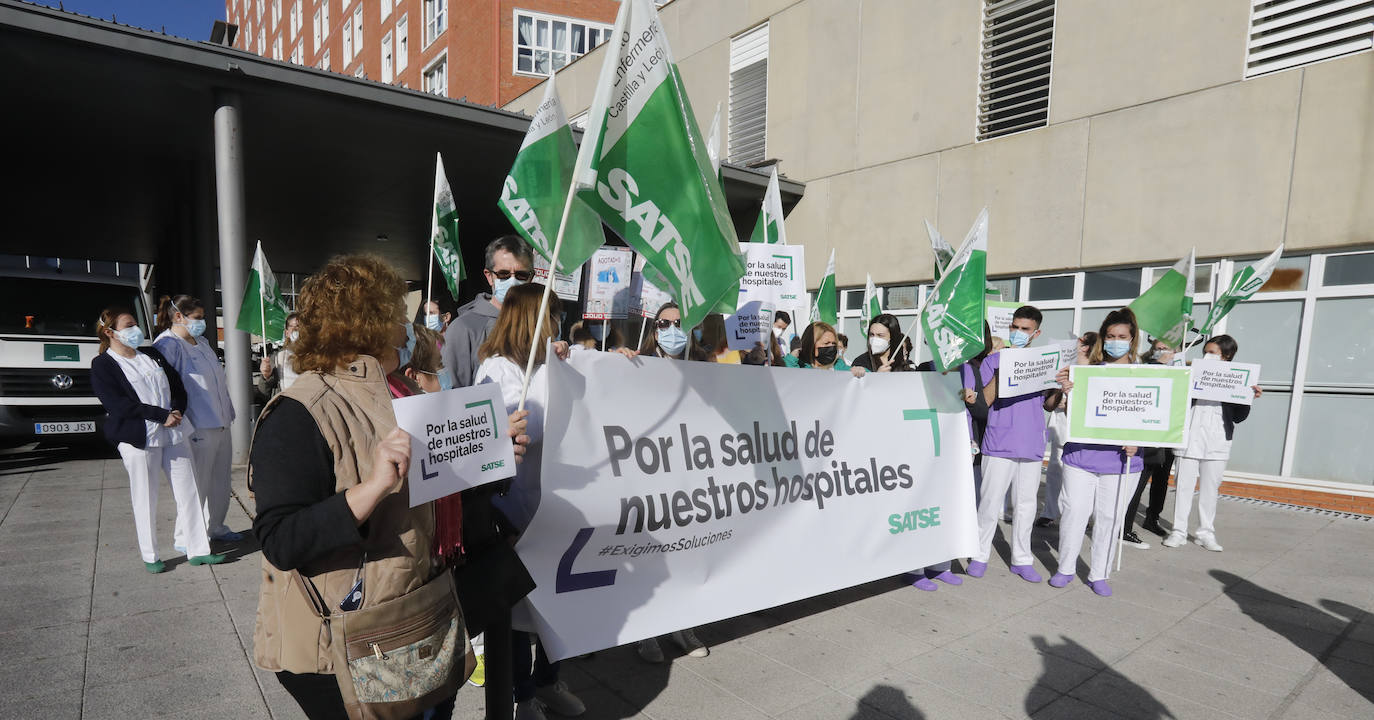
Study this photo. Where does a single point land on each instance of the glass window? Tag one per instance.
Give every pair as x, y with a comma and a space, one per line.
402, 43
436, 19
1006, 288
1111, 284
900, 298
1257, 446
1290, 275
1331, 432
436, 78
853, 299
1267, 333
33, 306
1053, 287
1056, 325
1349, 269
1342, 346
1202, 277
545, 43
388, 64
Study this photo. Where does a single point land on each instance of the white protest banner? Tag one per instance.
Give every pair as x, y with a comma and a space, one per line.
458, 439
565, 285
608, 283
774, 274
999, 317
1224, 381
750, 326
1021, 371
645, 297
1141, 405
772, 484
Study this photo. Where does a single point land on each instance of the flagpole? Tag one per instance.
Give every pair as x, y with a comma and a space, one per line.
544, 300
429, 278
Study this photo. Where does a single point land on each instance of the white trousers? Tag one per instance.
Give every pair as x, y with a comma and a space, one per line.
1054, 478
1188, 471
145, 468
1023, 478
211, 448
1103, 497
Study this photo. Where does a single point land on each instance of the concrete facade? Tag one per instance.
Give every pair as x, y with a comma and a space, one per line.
1155, 143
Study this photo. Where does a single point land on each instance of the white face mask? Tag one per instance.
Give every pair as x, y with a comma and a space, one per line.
878, 345
1211, 356
777, 332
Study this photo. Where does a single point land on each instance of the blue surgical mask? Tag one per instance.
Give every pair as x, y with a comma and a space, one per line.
672, 340
434, 322
403, 353
498, 291
1116, 348
1019, 338
696, 334
445, 379
130, 336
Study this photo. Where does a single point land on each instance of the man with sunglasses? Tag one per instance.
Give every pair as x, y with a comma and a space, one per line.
509, 262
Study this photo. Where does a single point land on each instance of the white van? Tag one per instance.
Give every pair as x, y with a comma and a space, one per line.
49, 308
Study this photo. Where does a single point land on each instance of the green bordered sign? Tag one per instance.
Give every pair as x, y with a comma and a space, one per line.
1140, 405
54, 352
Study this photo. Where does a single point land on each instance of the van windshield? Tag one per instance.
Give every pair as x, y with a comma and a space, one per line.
34, 306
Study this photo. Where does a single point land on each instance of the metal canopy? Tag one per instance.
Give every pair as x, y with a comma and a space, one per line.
109, 152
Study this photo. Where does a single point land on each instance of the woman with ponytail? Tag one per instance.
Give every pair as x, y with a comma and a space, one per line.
144, 401
180, 327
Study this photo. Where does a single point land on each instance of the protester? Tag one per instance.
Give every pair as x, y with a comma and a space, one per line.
1094, 484
1211, 425
782, 324
509, 262
771, 355
433, 317
1057, 430
503, 357
144, 403
716, 342
1158, 462
1013, 447
580, 337
844, 345
668, 339
276, 373
793, 351
181, 324
888, 349
329, 466
820, 348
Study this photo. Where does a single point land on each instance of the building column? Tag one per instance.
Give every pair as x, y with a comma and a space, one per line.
233, 257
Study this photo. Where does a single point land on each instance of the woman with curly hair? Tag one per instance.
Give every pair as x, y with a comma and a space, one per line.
328, 466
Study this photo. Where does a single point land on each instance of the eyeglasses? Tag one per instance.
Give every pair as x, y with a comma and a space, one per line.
664, 323
521, 275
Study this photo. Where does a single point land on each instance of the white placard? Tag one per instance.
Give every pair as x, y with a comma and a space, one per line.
750, 326
1224, 381
458, 440
774, 275
608, 283
565, 285
999, 318
739, 479
1022, 371
645, 297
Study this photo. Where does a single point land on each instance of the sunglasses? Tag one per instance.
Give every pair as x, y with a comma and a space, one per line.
521, 275
664, 323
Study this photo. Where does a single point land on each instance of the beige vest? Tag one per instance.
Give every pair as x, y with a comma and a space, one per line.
352, 408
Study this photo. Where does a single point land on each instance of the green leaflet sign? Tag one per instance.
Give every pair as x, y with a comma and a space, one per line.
1140, 405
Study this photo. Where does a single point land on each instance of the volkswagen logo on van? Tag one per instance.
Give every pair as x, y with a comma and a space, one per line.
61, 382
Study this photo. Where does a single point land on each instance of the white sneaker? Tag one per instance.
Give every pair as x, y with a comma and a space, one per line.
560, 700
1175, 539
689, 643
530, 709
1208, 542
649, 651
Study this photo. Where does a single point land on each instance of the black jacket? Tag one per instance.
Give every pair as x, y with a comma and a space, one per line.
124, 412
1232, 413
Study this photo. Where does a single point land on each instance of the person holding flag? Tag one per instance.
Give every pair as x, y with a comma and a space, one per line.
889, 350
181, 325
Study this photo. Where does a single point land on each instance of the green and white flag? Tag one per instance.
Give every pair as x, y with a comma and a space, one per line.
827, 306
536, 189
953, 317
263, 311
769, 228
644, 169
713, 142
1245, 283
872, 306
1166, 310
443, 231
940, 248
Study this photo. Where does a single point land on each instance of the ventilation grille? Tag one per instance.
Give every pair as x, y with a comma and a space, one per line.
1288, 33
1014, 79
748, 119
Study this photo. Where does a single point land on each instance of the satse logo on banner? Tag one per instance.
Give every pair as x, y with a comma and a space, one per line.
458, 440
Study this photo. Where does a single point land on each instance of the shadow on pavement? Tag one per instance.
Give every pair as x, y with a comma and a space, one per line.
889, 700
1304, 625
1107, 689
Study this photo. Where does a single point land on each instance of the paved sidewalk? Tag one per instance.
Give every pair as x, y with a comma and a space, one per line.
1278, 626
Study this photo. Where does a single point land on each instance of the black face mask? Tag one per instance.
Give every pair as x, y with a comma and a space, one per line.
826, 355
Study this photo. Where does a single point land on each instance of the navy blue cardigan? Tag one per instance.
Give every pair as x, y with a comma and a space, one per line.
124, 412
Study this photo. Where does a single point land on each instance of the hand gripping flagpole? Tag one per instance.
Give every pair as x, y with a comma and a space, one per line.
544, 300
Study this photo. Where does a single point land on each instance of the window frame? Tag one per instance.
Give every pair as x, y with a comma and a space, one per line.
402, 30
602, 29
441, 58
428, 19
388, 56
